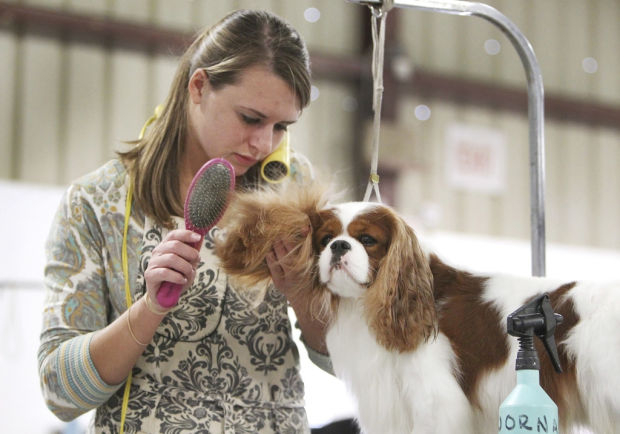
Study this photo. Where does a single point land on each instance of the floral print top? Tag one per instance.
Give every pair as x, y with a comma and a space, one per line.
218, 363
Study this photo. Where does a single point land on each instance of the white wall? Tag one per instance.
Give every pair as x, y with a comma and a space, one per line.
24, 222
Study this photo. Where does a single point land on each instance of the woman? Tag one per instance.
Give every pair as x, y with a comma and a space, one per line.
215, 362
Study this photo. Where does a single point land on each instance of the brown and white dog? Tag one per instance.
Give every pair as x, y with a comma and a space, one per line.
421, 345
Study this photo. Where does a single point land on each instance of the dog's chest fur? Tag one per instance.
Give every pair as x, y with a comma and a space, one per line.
407, 389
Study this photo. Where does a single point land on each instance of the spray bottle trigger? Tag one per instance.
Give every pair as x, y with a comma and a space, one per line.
536, 318
528, 401
551, 320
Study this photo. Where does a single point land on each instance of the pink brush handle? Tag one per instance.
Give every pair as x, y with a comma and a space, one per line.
168, 294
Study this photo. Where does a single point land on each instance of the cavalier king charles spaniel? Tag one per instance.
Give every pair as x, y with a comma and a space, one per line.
421, 345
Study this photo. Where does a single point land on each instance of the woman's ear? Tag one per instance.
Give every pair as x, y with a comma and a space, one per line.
198, 85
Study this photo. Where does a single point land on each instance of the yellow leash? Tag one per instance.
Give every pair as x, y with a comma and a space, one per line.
125, 264
127, 297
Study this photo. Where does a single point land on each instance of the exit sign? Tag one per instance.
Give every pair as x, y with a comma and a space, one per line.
475, 158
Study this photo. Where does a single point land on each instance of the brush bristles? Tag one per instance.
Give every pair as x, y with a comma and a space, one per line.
209, 197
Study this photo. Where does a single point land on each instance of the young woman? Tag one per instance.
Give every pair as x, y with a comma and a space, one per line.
215, 362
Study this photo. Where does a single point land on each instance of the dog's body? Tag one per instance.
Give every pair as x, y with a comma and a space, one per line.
457, 381
421, 345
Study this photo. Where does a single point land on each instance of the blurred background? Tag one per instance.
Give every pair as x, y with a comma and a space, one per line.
78, 78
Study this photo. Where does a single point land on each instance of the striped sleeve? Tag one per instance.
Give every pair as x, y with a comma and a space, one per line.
323, 361
73, 385
80, 380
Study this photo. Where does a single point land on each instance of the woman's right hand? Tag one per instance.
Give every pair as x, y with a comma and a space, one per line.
174, 260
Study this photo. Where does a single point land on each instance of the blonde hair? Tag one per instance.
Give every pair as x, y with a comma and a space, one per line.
238, 41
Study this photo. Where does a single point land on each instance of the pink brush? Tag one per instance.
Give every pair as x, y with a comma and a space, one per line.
206, 201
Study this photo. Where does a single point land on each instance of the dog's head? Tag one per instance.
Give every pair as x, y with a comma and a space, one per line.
366, 251
354, 250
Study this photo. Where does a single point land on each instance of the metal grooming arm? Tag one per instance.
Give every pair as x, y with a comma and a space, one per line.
536, 113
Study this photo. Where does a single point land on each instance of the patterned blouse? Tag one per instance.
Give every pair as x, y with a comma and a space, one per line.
217, 364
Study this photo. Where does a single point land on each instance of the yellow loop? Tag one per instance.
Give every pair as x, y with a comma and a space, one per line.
156, 114
277, 165
374, 178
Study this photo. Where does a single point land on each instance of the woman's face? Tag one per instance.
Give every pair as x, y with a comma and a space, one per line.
242, 122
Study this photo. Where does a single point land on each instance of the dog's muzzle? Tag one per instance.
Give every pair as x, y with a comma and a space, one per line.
339, 248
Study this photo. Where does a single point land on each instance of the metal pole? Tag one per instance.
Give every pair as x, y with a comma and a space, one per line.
536, 113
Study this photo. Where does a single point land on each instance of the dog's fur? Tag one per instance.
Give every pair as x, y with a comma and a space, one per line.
421, 345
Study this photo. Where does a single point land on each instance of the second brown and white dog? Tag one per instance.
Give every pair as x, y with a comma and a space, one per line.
421, 345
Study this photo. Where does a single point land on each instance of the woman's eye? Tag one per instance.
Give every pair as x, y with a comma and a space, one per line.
367, 240
280, 127
250, 120
325, 240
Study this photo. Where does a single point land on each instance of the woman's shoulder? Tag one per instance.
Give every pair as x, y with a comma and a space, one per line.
110, 176
102, 189
98, 193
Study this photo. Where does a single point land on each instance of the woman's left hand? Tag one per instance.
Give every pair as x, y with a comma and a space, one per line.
278, 262
282, 278
313, 326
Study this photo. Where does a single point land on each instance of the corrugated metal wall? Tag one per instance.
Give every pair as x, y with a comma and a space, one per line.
67, 106
576, 44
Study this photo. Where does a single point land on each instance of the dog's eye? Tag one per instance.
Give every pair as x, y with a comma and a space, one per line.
326, 239
366, 240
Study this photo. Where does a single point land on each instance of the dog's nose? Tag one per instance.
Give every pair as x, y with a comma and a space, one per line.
340, 247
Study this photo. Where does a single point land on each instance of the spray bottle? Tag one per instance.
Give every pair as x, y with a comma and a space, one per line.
528, 409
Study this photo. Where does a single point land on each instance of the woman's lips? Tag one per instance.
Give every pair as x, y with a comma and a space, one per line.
245, 160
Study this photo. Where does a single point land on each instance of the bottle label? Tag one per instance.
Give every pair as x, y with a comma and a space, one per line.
515, 422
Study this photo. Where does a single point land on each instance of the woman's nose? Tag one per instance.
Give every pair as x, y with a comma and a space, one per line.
262, 141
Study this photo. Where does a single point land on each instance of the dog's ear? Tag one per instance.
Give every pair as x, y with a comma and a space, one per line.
255, 220
400, 305
242, 245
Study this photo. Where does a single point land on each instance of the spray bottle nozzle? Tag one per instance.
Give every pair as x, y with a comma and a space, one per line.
535, 318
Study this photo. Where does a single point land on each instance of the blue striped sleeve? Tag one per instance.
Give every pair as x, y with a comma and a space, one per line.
73, 384
323, 361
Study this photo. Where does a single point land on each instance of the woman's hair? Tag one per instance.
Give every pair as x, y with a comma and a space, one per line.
240, 40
